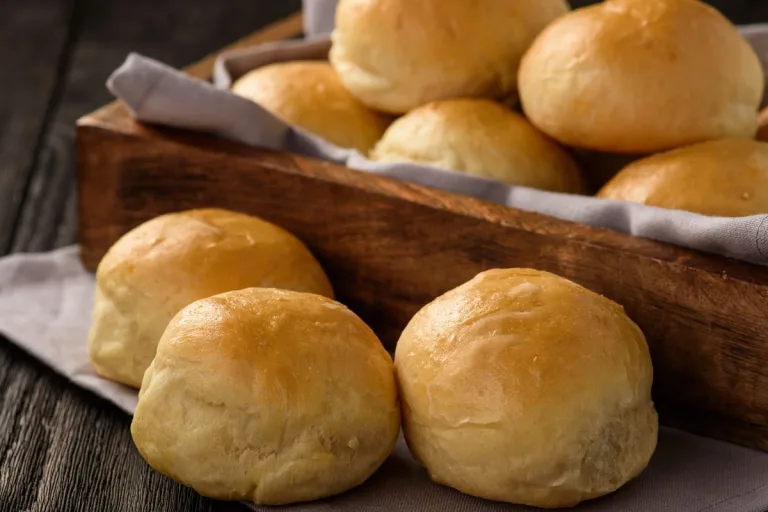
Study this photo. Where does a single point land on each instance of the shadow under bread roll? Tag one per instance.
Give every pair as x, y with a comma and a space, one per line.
267, 395
726, 178
156, 269
598, 168
309, 95
483, 138
524, 387
641, 76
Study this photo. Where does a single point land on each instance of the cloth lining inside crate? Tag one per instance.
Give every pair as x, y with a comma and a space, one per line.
159, 94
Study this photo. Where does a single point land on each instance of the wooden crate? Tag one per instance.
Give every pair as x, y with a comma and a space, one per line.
390, 247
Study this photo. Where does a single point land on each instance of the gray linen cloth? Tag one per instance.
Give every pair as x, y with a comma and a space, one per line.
45, 308
156, 93
319, 16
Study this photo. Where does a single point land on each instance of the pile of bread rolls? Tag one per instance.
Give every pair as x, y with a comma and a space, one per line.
528, 92
255, 384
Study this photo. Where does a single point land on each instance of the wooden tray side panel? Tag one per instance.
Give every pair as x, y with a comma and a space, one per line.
390, 247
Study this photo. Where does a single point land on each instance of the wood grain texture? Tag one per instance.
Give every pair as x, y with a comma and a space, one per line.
48, 211
61, 448
390, 247
29, 78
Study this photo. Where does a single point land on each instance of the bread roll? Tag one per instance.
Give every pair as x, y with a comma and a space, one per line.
396, 55
641, 76
479, 137
164, 264
727, 178
267, 395
524, 387
309, 94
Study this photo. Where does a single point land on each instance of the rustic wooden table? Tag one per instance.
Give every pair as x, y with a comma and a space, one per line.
61, 448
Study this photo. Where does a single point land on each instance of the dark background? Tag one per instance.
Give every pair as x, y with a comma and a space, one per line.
61, 448
739, 11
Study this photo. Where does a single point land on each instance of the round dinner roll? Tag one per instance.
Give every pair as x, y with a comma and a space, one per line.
309, 94
726, 178
524, 387
267, 395
396, 55
153, 271
482, 138
641, 76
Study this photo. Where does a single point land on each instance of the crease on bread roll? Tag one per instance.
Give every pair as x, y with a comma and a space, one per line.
309, 95
524, 387
726, 178
267, 395
641, 76
482, 138
396, 55
156, 269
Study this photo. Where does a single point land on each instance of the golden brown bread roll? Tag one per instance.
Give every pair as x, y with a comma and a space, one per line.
396, 55
524, 387
153, 271
727, 178
479, 137
309, 94
641, 76
267, 395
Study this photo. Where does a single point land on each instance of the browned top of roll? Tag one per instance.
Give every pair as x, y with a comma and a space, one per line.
641, 76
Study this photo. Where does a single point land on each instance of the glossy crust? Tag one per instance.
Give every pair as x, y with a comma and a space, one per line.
641, 76
161, 266
267, 395
727, 178
309, 94
396, 55
524, 387
483, 138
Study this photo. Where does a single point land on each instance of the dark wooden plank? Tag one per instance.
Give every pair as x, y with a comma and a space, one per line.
62, 449
35, 35
175, 31
50, 192
23, 444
